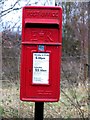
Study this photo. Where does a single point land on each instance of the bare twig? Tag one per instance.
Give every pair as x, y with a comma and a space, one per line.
77, 106
10, 7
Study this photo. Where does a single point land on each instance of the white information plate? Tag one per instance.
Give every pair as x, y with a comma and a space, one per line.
40, 68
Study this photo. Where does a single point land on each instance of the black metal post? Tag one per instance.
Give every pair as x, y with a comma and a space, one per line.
89, 40
89, 54
39, 108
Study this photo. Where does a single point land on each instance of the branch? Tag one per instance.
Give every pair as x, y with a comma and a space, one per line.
10, 7
10, 11
4, 12
74, 104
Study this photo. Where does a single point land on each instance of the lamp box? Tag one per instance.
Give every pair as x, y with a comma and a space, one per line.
41, 54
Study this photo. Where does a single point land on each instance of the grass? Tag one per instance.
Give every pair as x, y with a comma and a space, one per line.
73, 103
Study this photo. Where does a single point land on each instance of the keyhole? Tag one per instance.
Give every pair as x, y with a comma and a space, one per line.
29, 70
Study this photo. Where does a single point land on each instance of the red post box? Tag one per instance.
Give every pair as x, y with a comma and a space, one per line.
41, 54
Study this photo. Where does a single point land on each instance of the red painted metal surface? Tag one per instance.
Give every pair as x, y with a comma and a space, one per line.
41, 45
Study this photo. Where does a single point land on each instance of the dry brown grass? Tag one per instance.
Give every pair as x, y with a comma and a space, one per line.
73, 103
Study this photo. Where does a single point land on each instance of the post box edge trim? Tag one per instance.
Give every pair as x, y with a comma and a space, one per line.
36, 43
41, 21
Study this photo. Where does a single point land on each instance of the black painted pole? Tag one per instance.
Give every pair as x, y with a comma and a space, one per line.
39, 108
88, 55
89, 40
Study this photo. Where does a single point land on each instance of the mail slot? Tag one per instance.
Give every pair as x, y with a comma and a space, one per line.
41, 54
